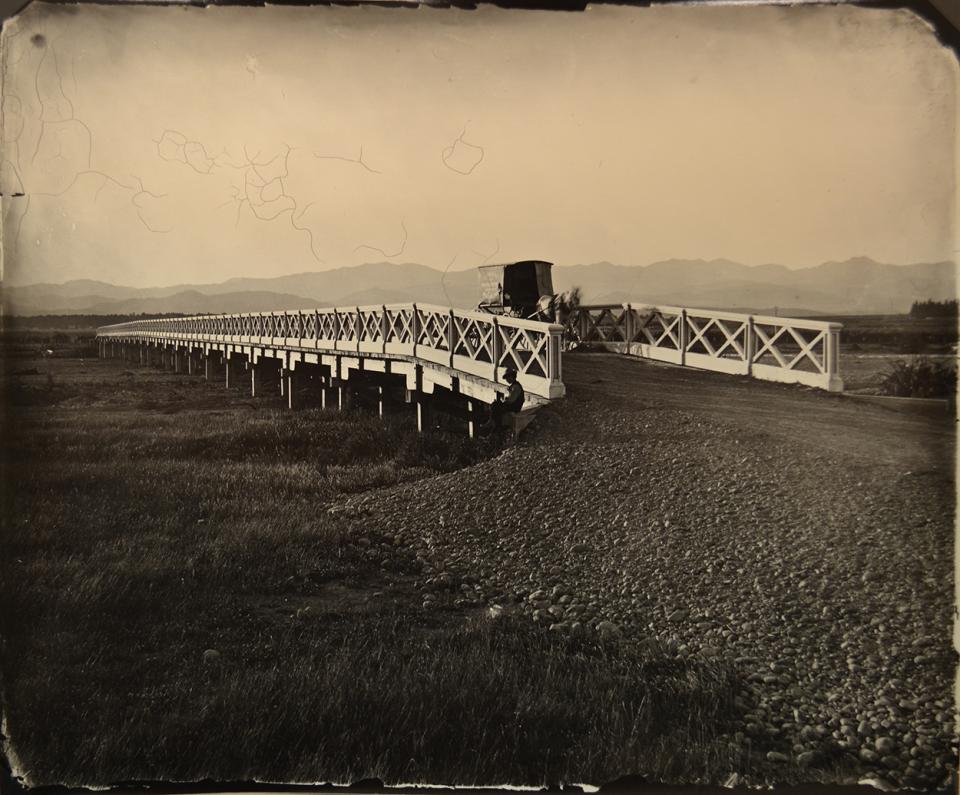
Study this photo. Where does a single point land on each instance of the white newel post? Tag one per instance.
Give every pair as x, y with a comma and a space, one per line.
683, 336
497, 350
451, 336
415, 328
629, 323
831, 352
554, 358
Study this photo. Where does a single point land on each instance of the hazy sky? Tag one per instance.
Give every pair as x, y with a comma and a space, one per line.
158, 145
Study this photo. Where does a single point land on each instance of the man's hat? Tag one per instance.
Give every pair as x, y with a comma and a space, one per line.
510, 371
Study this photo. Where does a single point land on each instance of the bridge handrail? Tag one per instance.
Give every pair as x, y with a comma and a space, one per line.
475, 343
503, 320
808, 323
794, 350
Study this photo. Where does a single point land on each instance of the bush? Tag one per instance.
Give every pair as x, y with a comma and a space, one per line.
920, 377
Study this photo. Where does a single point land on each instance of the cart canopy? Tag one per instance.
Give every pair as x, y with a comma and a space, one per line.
515, 284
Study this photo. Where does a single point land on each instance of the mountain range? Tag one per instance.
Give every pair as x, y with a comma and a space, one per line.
855, 286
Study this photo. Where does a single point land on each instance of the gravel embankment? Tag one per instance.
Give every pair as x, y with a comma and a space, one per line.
824, 575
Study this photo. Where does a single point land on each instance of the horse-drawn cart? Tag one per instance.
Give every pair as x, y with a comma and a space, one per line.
516, 289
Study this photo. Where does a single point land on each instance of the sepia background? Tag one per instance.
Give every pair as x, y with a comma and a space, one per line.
161, 145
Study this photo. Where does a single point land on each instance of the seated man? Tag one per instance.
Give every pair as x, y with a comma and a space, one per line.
502, 407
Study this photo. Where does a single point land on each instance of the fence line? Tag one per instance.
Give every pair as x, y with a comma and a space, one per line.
769, 348
474, 343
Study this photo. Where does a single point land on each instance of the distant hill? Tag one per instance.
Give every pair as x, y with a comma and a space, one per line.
855, 286
185, 302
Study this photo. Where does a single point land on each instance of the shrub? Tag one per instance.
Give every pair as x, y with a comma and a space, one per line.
920, 377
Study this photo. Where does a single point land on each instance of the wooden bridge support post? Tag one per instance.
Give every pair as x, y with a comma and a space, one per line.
344, 396
227, 367
380, 400
190, 362
290, 377
253, 380
424, 410
206, 367
423, 402
472, 418
176, 360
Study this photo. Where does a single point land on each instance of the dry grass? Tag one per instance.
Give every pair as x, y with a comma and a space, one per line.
176, 602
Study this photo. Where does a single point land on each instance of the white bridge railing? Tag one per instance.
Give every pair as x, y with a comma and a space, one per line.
474, 343
769, 348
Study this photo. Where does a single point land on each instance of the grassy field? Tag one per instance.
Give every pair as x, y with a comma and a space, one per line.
871, 346
180, 600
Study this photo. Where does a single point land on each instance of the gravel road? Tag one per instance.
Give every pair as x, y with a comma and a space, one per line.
806, 538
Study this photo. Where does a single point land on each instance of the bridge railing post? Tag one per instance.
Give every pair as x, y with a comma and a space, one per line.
497, 350
750, 345
554, 358
683, 336
384, 325
831, 355
415, 328
451, 335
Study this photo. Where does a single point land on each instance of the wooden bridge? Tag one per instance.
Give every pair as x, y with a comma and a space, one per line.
421, 349
424, 350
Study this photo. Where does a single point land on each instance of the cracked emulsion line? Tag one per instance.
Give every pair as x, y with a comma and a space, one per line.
137, 190
493, 253
403, 245
358, 160
253, 180
183, 144
4, 96
443, 277
296, 212
448, 151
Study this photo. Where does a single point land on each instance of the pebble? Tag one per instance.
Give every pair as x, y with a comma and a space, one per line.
211, 657
835, 663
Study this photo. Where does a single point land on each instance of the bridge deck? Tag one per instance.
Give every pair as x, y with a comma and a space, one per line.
785, 413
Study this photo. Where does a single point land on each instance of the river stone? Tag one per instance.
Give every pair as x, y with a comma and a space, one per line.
885, 745
807, 758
